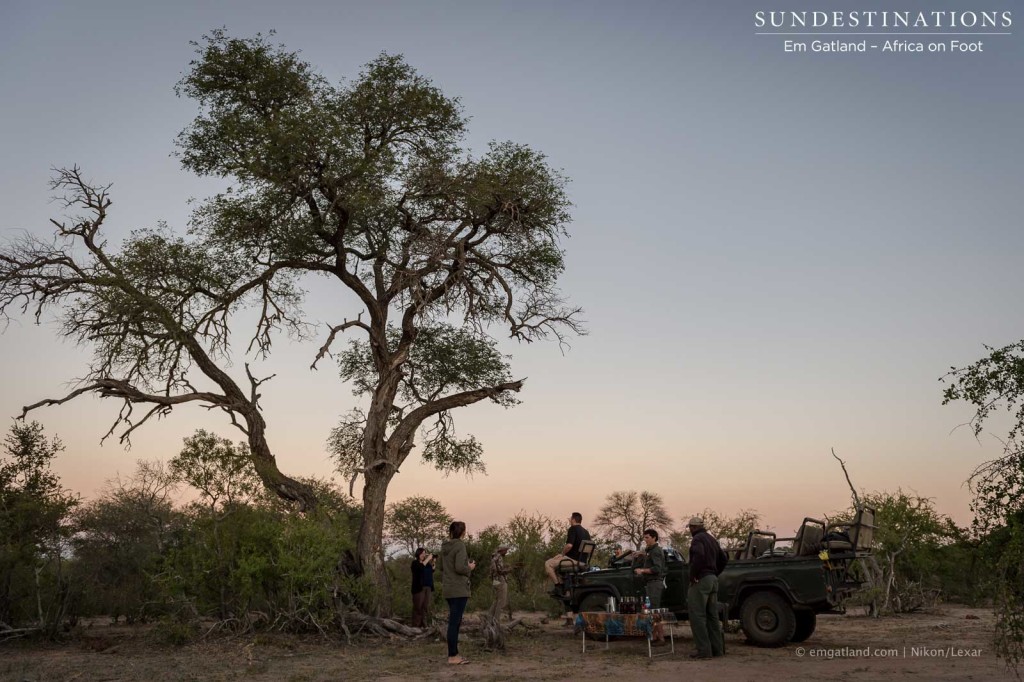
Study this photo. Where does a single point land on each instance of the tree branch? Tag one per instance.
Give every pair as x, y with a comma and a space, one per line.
405, 430
853, 491
325, 349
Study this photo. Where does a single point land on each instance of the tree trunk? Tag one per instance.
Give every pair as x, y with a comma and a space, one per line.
369, 550
266, 467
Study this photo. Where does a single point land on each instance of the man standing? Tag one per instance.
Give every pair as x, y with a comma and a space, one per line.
499, 579
706, 561
654, 568
576, 536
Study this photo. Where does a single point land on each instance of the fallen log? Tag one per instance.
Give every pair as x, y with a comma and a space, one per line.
356, 622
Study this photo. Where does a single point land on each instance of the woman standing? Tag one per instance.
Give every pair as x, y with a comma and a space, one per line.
455, 568
419, 595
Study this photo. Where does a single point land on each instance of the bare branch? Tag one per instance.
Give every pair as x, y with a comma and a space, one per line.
325, 349
853, 491
254, 397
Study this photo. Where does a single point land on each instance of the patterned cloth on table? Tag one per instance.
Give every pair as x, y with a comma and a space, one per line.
617, 624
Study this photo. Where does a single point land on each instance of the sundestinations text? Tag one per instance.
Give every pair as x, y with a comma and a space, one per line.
884, 19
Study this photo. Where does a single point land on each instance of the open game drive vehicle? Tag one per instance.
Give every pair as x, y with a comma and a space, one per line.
775, 592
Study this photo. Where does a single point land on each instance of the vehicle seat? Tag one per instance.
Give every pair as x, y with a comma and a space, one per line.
760, 546
758, 542
808, 538
587, 548
859, 533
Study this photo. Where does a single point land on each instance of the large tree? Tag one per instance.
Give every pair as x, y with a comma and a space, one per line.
626, 514
366, 184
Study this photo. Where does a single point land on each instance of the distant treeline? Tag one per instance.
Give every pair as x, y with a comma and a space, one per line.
239, 558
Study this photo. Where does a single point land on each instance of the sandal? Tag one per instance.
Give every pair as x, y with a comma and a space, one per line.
461, 661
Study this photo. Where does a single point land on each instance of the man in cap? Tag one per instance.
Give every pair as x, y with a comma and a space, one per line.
499, 580
620, 557
707, 560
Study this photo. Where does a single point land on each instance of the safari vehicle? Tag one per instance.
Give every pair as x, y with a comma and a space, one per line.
774, 590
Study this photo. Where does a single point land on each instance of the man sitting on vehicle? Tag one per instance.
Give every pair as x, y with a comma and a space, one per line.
620, 557
574, 538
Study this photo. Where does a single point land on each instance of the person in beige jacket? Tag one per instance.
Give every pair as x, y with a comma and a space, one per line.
456, 568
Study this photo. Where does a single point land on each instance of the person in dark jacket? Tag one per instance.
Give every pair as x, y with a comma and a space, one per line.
428, 587
653, 572
654, 568
456, 567
419, 592
702, 596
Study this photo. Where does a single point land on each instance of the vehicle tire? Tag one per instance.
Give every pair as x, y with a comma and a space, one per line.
805, 622
768, 619
594, 601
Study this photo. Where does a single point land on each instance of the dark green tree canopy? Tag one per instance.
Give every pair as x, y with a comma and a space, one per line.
367, 181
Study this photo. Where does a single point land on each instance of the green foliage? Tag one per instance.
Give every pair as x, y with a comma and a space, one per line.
35, 512
119, 542
994, 382
416, 522
220, 470
368, 182
245, 559
998, 488
998, 504
1009, 596
254, 566
444, 359
533, 538
730, 531
909, 535
345, 444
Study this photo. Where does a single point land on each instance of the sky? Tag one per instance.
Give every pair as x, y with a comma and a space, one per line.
777, 253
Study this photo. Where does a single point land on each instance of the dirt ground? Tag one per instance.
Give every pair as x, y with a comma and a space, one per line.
950, 643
